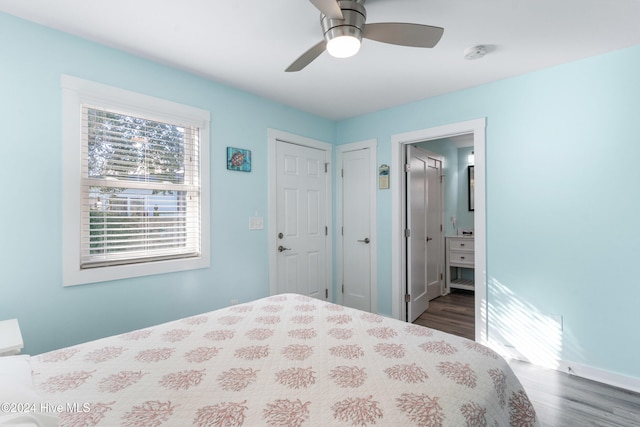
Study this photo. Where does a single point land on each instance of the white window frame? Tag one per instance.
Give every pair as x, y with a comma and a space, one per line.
75, 93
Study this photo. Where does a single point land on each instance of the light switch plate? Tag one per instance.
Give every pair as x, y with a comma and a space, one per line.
256, 223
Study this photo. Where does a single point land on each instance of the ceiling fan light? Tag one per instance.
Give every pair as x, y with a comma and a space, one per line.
343, 46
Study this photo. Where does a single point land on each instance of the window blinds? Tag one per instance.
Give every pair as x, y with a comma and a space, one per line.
140, 189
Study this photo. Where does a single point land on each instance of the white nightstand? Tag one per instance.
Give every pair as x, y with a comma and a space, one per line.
10, 337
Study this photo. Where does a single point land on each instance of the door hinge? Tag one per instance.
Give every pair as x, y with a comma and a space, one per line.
326, 167
441, 276
441, 176
407, 232
326, 230
407, 167
407, 298
343, 288
440, 227
342, 231
342, 173
326, 293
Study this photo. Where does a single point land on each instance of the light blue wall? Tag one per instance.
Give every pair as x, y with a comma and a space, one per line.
32, 59
562, 146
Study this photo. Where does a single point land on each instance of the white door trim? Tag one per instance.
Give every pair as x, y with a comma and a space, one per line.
273, 136
371, 144
398, 250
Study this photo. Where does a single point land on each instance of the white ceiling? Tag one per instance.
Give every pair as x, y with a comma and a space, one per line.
248, 43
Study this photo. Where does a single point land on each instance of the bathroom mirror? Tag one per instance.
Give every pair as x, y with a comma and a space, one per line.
470, 185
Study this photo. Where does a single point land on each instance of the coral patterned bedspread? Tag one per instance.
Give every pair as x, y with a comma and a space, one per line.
285, 360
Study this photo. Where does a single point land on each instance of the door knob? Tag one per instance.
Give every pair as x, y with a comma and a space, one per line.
429, 238
365, 240
282, 249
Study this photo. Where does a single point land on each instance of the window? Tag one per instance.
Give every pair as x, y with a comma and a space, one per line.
135, 184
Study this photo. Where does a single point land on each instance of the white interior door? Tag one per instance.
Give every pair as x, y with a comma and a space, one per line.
301, 217
417, 198
425, 250
476, 128
435, 233
356, 213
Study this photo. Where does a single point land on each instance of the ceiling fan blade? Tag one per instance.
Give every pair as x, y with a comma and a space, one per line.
330, 8
307, 57
414, 35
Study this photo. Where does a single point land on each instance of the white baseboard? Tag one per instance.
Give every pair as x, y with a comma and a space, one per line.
573, 368
600, 375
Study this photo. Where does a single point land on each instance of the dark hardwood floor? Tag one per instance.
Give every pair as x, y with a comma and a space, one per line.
560, 399
453, 313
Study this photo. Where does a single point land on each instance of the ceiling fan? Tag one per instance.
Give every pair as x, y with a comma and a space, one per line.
344, 25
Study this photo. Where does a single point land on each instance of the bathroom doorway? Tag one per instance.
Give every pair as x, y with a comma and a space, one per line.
400, 294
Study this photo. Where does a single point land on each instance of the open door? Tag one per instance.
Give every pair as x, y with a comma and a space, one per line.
424, 234
435, 229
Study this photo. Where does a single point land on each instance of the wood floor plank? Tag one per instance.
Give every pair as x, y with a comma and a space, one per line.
560, 399
453, 313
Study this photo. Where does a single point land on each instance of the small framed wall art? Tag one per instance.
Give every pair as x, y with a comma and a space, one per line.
238, 159
383, 173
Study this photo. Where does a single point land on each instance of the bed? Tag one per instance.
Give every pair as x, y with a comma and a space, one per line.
285, 360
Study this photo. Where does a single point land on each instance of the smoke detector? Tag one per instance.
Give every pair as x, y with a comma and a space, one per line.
475, 52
